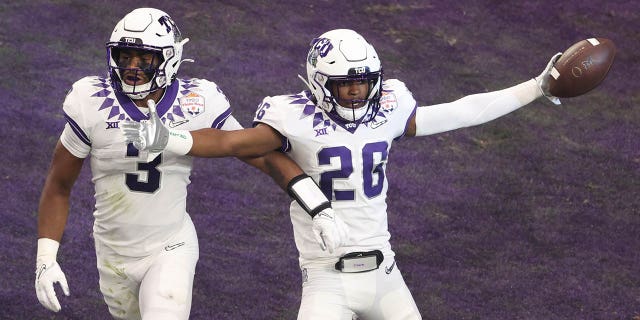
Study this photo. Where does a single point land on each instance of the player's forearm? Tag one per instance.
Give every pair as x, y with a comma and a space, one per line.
281, 168
474, 109
208, 143
277, 165
52, 213
213, 143
247, 143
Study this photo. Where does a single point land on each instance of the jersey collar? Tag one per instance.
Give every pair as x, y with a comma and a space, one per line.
162, 107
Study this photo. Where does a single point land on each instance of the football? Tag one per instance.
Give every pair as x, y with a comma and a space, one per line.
582, 67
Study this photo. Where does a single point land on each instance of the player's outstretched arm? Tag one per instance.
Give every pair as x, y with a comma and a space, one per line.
52, 217
250, 142
154, 136
480, 108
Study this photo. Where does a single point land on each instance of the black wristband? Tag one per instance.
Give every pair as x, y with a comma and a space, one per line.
308, 195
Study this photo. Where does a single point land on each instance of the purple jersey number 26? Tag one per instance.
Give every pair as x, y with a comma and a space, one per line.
372, 170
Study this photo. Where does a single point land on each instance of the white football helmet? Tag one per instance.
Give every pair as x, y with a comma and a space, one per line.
151, 30
340, 55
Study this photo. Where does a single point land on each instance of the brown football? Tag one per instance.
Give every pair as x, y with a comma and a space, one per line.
581, 67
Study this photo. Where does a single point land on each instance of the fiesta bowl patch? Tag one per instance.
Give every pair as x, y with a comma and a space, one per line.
388, 102
192, 104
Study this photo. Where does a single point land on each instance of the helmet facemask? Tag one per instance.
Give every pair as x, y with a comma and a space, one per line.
148, 67
355, 108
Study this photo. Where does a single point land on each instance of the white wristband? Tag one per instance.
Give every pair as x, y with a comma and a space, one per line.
47, 251
180, 141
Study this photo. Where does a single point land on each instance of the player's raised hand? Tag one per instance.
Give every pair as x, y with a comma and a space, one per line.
149, 134
131, 131
329, 230
156, 133
543, 79
48, 272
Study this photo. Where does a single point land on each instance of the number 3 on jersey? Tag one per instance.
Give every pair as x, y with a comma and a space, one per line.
374, 155
152, 182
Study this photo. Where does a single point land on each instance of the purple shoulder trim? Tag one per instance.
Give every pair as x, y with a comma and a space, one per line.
77, 130
220, 120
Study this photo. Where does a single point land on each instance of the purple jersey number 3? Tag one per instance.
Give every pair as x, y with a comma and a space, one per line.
152, 182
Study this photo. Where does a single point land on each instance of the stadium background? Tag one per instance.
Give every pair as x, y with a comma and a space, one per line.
532, 216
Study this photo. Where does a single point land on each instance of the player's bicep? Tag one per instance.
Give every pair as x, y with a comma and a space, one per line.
442, 117
63, 171
411, 127
54, 201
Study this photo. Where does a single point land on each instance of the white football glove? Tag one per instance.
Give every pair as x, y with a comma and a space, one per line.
329, 230
149, 134
48, 272
543, 79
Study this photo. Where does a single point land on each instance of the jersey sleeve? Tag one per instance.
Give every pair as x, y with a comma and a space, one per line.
76, 134
398, 101
217, 106
474, 109
231, 124
72, 142
272, 113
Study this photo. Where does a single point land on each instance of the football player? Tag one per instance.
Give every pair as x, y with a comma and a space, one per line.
145, 241
340, 132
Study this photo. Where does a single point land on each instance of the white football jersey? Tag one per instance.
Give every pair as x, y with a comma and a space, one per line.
140, 197
347, 160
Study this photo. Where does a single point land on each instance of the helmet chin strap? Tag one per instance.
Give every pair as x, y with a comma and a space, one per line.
351, 114
141, 95
138, 96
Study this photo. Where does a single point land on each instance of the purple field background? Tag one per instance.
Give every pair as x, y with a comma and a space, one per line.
532, 216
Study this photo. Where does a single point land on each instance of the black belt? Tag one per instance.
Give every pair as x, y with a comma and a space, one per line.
360, 261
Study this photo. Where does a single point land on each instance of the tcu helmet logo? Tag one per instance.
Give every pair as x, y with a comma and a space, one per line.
168, 23
357, 71
360, 70
131, 40
319, 47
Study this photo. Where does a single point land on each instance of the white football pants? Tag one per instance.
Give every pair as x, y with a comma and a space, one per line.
158, 286
329, 294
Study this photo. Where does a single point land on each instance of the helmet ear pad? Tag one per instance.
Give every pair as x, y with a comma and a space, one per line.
343, 55
150, 30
